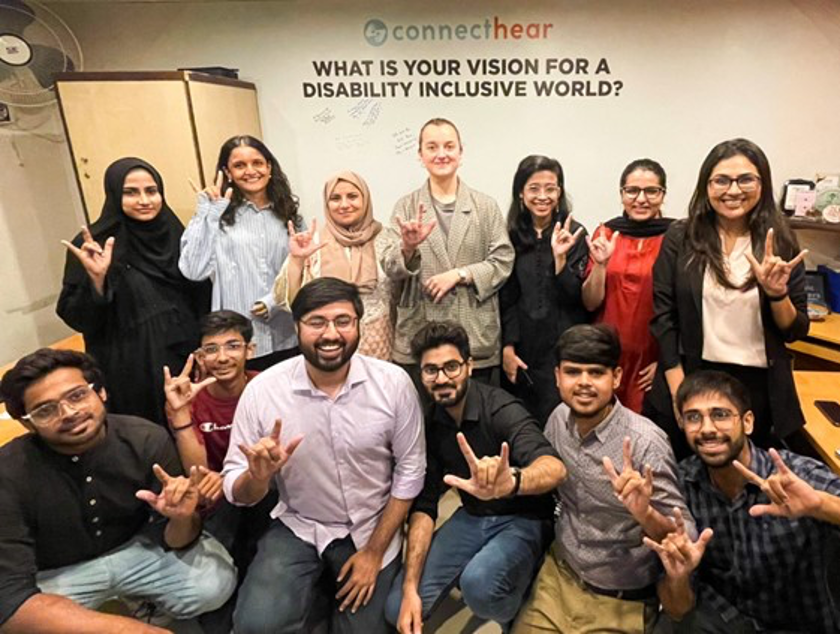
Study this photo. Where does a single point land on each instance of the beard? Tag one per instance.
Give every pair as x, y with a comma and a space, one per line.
317, 356
729, 450
448, 394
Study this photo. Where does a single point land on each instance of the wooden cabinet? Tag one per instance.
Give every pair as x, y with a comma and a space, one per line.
177, 121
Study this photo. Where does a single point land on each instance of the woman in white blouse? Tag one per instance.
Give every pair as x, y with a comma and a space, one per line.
239, 239
348, 249
729, 288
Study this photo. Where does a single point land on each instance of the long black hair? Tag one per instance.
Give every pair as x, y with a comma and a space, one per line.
519, 221
702, 231
284, 204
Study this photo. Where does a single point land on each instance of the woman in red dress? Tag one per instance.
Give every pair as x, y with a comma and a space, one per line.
619, 277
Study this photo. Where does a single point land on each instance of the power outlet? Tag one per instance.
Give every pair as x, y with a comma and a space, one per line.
5, 114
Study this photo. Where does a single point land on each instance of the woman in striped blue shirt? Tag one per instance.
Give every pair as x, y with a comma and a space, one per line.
238, 239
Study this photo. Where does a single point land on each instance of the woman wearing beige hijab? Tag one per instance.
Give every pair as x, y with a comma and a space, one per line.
347, 249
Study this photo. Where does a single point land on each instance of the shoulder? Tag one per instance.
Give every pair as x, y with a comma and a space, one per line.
407, 202
555, 427
277, 375
647, 437
480, 201
677, 230
386, 374
16, 457
812, 471
136, 431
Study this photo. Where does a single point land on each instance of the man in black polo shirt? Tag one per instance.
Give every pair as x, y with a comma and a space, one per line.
75, 521
493, 545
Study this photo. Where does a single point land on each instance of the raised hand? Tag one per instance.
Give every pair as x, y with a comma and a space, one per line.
94, 258
260, 310
790, 496
511, 363
363, 569
773, 272
214, 191
181, 391
562, 238
268, 456
601, 249
302, 243
178, 498
209, 486
633, 489
646, 375
438, 286
414, 232
490, 477
679, 555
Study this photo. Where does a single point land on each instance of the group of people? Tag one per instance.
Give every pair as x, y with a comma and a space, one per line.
345, 378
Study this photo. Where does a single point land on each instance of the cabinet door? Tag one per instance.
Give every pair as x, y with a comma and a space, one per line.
149, 119
220, 112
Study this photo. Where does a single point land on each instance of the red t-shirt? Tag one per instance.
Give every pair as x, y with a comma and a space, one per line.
212, 419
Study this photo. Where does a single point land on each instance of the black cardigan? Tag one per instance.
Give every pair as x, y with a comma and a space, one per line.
677, 324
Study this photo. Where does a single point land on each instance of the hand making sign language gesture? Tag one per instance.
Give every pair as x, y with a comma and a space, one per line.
633, 489
94, 258
601, 249
214, 191
679, 555
178, 497
790, 496
181, 391
491, 477
268, 456
302, 243
414, 232
773, 272
562, 240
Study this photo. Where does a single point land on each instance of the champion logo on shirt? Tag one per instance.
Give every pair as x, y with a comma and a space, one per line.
209, 427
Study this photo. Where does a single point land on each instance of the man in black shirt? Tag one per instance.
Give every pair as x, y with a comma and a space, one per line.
75, 500
493, 545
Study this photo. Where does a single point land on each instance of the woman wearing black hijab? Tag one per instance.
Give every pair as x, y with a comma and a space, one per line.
124, 292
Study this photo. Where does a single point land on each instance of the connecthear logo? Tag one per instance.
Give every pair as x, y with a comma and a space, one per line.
376, 32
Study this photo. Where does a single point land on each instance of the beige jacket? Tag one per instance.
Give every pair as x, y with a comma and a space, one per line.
478, 242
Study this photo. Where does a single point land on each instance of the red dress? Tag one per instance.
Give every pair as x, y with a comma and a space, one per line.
628, 306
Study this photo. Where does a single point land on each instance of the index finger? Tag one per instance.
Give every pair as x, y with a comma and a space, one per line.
220, 179
749, 475
627, 451
472, 461
188, 366
195, 476
567, 225
275, 433
780, 464
291, 228
195, 187
505, 457
768, 244
86, 235
421, 209
160, 474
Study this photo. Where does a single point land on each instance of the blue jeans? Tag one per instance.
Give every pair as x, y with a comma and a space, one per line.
282, 585
493, 559
181, 583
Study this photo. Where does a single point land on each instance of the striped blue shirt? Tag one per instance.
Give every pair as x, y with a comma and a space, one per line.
242, 261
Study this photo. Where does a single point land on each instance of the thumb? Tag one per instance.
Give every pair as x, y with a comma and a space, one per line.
160, 474
146, 496
195, 476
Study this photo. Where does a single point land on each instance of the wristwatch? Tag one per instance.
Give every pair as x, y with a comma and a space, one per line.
516, 472
463, 276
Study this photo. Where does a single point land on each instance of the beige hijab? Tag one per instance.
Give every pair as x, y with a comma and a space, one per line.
360, 268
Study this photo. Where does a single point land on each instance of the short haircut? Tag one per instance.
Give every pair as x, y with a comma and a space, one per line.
35, 366
220, 321
440, 333
438, 121
323, 291
588, 343
713, 382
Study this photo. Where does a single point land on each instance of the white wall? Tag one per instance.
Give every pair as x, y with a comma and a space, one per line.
693, 73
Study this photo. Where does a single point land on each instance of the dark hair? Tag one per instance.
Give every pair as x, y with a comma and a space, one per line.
519, 221
713, 382
588, 343
323, 291
438, 121
648, 165
440, 333
702, 232
284, 204
220, 321
35, 366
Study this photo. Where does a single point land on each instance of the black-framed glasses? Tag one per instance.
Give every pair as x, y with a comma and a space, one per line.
47, 413
721, 417
650, 192
452, 370
230, 347
746, 182
342, 323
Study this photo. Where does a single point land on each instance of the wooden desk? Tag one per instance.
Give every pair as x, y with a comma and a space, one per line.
818, 429
823, 340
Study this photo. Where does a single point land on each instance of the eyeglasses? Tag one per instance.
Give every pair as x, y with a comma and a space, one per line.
548, 190
650, 192
213, 349
48, 413
452, 370
746, 182
342, 323
720, 417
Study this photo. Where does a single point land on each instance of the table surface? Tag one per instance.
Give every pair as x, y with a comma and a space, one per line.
823, 435
828, 330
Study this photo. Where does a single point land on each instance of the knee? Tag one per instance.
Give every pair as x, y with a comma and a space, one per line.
267, 611
209, 585
487, 596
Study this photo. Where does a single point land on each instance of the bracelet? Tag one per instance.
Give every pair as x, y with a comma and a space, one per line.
516, 472
181, 428
776, 298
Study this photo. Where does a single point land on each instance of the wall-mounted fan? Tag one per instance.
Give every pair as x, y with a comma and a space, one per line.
35, 44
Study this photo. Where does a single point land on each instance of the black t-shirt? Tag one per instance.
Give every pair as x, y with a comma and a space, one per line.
57, 510
491, 417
